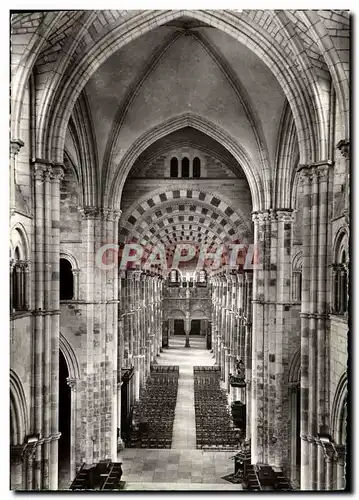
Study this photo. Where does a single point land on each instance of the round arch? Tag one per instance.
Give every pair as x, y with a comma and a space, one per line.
157, 199
73, 261
177, 314
18, 410
198, 314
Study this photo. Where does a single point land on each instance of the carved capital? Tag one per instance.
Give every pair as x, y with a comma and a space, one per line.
58, 172
113, 215
41, 171
284, 215
323, 172
89, 212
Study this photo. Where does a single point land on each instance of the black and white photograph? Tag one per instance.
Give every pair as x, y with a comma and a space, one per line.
179, 250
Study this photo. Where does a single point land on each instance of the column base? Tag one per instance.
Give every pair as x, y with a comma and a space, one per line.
187, 343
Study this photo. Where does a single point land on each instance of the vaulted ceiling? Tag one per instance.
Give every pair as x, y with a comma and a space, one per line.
117, 88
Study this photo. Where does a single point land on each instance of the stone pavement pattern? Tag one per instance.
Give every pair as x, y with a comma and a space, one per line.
183, 467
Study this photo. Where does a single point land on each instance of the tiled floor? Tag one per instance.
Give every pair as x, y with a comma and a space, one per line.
183, 467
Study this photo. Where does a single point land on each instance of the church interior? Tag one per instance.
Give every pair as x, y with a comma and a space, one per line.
134, 131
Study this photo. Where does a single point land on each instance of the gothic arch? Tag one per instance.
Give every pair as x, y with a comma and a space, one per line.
242, 29
18, 410
297, 262
340, 242
294, 369
115, 185
287, 157
19, 239
70, 357
337, 423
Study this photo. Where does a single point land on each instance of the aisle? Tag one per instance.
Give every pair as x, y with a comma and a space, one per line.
183, 467
184, 427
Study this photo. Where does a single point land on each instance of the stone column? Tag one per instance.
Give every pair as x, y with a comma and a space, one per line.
98, 411
340, 468
323, 301
248, 351
187, 323
57, 175
257, 410
315, 299
305, 314
40, 170
15, 146
72, 383
282, 277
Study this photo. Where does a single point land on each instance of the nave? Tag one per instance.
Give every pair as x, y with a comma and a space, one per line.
183, 466
179, 173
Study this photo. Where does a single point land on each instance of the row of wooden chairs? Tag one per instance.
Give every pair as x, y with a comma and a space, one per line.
154, 414
214, 428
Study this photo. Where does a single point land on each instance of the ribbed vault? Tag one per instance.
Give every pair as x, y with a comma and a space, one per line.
110, 29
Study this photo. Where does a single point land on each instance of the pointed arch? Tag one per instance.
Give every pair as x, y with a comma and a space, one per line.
294, 369
115, 185
19, 239
241, 28
19, 424
337, 423
70, 358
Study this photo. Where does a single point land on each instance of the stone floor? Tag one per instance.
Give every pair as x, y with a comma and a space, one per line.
183, 467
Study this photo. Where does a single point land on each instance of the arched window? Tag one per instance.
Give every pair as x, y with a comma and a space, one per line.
185, 167
66, 280
174, 278
19, 282
297, 278
201, 278
297, 286
196, 167
340, 277
174, 167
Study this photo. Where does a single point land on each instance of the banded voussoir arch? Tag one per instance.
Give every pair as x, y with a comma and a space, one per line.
173, 201
170, 231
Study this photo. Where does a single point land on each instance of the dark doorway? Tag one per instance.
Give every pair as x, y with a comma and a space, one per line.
64, 425
195, 327
179, 327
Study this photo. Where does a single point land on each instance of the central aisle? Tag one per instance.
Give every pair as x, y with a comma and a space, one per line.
184, 426
183, 467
